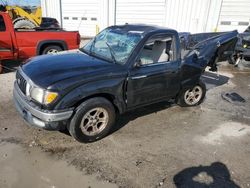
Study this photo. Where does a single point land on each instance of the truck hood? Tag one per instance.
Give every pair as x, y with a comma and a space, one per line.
46, 70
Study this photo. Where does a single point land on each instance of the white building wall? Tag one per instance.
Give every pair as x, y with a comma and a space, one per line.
141, 11
183, 15
90, 16
111, 12
82, 15
87, 16
51, 8
192, 15
235, 14
213, 15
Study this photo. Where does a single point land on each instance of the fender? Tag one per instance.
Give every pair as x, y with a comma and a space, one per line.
111, 89
190, 71
190, 82
46, 42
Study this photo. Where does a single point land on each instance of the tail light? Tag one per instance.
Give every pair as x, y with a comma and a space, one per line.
78, 39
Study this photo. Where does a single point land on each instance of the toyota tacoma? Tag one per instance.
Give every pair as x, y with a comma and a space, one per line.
123, 68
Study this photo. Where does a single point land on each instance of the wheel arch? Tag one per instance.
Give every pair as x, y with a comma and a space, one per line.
110, 97
43, 44
191, 81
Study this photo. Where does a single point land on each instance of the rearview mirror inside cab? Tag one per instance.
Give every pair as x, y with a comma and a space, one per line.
138, 63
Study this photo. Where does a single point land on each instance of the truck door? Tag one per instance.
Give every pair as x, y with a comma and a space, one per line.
154, 75
6, 49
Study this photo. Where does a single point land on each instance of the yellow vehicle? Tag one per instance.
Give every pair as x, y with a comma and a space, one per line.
23, 19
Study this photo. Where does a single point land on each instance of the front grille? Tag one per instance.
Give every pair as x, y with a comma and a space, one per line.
21, 82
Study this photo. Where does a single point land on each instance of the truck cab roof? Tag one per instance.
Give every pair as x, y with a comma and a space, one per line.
144, 29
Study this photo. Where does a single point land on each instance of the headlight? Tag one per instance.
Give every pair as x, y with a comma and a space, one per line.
37, 94
28, 87
42, 96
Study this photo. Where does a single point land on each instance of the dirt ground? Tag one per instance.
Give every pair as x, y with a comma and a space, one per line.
162, 145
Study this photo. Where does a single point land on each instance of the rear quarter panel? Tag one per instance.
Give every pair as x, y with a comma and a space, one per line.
28, 41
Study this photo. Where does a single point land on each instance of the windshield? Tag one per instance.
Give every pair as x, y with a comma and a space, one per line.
114, 45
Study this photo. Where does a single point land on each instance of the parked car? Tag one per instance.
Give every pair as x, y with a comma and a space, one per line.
121, 69
23, 44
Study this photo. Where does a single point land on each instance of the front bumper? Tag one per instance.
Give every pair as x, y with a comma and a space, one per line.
50, 120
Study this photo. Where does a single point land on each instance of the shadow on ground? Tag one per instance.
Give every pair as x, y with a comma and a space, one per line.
10, 66
140, 112
216, 175
211, 79
124, 119
214, 80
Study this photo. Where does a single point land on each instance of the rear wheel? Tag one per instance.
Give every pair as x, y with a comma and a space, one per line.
192, 96
93, 120
52, 50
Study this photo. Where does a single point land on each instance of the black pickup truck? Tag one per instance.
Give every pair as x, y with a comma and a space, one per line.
122, 68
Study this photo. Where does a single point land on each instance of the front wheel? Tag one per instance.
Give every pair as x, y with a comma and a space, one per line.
192, 96
93, 120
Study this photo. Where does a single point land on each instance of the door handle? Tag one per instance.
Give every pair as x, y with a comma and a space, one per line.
138, 77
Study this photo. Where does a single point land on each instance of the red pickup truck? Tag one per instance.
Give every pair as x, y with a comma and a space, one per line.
20, 44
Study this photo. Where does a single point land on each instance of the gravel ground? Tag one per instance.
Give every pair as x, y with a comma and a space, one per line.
162, 145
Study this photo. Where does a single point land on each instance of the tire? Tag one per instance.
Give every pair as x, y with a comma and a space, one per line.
235, 59
52, 50
192, 96
1, 68
26, 24
85, 127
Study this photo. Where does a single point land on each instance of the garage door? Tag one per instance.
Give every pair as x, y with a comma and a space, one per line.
140, 11
182, 15
187, 15
234, 14
81, 15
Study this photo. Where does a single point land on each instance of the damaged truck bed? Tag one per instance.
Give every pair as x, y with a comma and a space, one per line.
121, 69
223, 47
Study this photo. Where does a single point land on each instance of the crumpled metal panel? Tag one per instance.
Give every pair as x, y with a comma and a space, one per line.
208, 51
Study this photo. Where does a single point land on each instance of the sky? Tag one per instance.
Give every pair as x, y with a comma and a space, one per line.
22, 2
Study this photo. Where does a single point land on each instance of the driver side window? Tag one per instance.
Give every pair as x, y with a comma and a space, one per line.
157, 49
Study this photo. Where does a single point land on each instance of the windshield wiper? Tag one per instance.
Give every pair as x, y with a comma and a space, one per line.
112, 53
